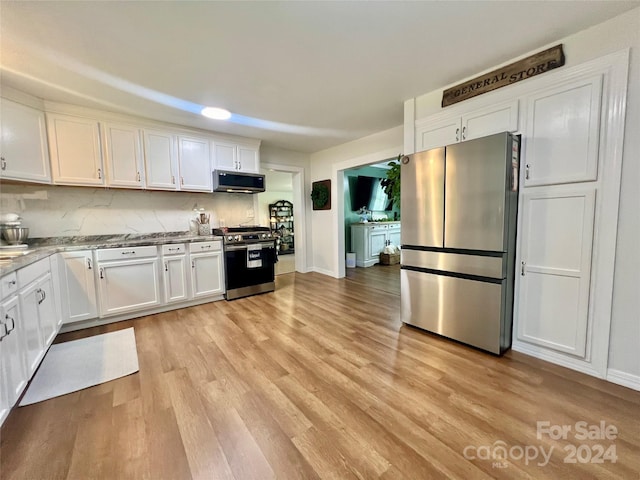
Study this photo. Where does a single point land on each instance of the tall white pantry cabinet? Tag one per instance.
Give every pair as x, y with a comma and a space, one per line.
571, 121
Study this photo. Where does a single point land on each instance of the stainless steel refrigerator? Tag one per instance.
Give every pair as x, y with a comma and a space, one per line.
459, 209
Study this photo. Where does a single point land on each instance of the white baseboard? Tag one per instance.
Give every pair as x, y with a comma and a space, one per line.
323, 271
623, 378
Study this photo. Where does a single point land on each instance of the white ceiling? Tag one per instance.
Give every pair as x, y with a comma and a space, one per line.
300, 75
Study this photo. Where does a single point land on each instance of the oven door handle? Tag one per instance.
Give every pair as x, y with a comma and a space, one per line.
234, 248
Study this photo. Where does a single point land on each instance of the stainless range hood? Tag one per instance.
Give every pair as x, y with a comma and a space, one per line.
237, 182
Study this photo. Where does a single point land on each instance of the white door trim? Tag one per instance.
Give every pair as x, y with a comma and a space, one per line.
299, 211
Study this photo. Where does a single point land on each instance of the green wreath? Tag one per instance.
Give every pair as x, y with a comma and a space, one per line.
319, 196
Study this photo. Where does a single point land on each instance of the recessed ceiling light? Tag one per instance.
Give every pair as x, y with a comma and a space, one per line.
216, 113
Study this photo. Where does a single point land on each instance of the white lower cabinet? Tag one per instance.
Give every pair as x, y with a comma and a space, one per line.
207, 269
77, 286
369, 240
13, 372
128, 279
39, 319
32, 334
174, 269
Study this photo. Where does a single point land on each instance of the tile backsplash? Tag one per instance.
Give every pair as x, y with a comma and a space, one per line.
53, 211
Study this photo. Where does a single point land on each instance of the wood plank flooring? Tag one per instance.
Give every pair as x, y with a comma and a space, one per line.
318, 380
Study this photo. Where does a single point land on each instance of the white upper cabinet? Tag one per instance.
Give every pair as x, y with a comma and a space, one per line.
195, 164
23, 151
451, 128
74, 144
231, 156
494, 119
225, 156
562, 132
438, 133
248, 159
123, 156
161, 160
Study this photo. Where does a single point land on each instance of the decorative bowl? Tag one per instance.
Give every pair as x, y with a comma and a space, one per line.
15, 235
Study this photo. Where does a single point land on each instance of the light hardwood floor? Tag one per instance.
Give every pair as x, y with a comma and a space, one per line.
316, 380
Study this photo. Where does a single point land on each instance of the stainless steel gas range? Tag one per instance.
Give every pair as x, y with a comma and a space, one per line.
250, 257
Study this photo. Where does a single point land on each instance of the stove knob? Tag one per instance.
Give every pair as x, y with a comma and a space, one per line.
269, 235
264, 235
230, 238
237, 238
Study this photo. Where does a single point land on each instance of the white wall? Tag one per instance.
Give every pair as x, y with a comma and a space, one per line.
616, 34
279, 187
54, 211
327, 164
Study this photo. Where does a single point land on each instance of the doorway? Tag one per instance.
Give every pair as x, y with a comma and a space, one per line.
281, 208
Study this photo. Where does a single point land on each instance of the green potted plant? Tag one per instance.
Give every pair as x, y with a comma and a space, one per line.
391, 184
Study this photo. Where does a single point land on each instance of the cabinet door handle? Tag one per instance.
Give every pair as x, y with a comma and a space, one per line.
3, 163
193, 264
166, 267
101, 272
41, 297
129, 252
202, 247
12, 282
522, 268
138, 176
526, 171
457, 134
13, 324
464, 133
181, 180
88, 264
99, 174
5, 331
173, 180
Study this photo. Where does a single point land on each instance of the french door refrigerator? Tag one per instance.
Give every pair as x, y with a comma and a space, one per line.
459, 209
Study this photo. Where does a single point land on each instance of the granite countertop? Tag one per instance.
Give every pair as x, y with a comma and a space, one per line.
40, 248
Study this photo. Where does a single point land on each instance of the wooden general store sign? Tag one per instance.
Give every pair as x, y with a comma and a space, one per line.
528, 67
